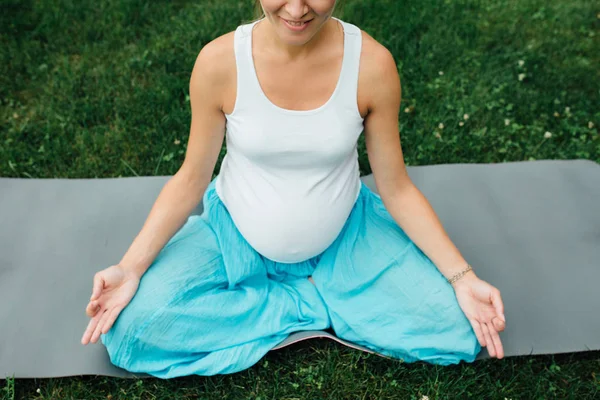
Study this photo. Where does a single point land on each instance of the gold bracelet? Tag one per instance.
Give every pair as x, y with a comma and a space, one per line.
460, 274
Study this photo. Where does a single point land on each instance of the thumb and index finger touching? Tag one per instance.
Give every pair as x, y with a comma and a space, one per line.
98, 286
496, 301
491, 296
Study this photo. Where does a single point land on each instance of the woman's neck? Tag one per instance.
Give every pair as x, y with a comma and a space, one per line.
272, 42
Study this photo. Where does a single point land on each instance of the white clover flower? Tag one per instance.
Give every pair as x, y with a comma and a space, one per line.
177, 141
590, 124
547, 135
466, 116
521, 62
39, 390
567, 109
461, 123
441, 126
521, 77
425, 398
437, 135
507, 122
407, 110
556, 114
441, 72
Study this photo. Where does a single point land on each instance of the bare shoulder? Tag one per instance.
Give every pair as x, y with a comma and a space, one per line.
214, 68
378, 71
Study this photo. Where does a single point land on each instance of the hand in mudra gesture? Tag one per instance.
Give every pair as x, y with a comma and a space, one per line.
114, 287
482, 305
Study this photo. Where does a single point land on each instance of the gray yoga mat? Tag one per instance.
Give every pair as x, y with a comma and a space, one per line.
532, 229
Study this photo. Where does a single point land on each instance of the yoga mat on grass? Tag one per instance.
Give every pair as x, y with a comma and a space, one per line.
532, 229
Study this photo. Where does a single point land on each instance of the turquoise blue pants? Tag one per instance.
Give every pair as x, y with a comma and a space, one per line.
210, 304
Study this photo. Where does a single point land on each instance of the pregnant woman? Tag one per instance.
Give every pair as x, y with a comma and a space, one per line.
290, 239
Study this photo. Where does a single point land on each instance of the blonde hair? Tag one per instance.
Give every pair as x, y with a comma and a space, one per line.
258, 11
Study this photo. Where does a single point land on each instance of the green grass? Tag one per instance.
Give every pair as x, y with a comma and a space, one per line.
94, 89
325, 370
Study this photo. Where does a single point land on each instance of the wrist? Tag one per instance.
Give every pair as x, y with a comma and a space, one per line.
465, 280
132, 270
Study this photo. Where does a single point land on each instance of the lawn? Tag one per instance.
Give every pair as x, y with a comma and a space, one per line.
98, 89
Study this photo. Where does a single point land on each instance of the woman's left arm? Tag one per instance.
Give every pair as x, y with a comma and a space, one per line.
480, 301
403, 200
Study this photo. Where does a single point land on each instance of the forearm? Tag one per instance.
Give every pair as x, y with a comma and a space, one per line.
414, 214
174, 204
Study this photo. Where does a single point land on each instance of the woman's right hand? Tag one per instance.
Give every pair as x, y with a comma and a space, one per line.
114, 287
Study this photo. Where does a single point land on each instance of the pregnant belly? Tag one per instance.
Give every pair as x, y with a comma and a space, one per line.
293, 233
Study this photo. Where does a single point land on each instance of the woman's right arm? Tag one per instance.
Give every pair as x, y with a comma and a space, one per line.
115, 286
183, 192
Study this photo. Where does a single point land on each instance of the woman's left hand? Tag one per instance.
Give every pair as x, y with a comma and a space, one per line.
482, 305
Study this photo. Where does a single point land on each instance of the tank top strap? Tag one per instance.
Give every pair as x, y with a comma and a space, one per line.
349, 79
242, 44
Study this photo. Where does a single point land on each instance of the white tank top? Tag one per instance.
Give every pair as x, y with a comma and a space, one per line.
290, 178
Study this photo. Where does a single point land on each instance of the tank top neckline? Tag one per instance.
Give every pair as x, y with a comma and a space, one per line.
287, 110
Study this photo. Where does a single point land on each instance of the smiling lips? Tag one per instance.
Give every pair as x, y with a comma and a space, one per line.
296, 25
